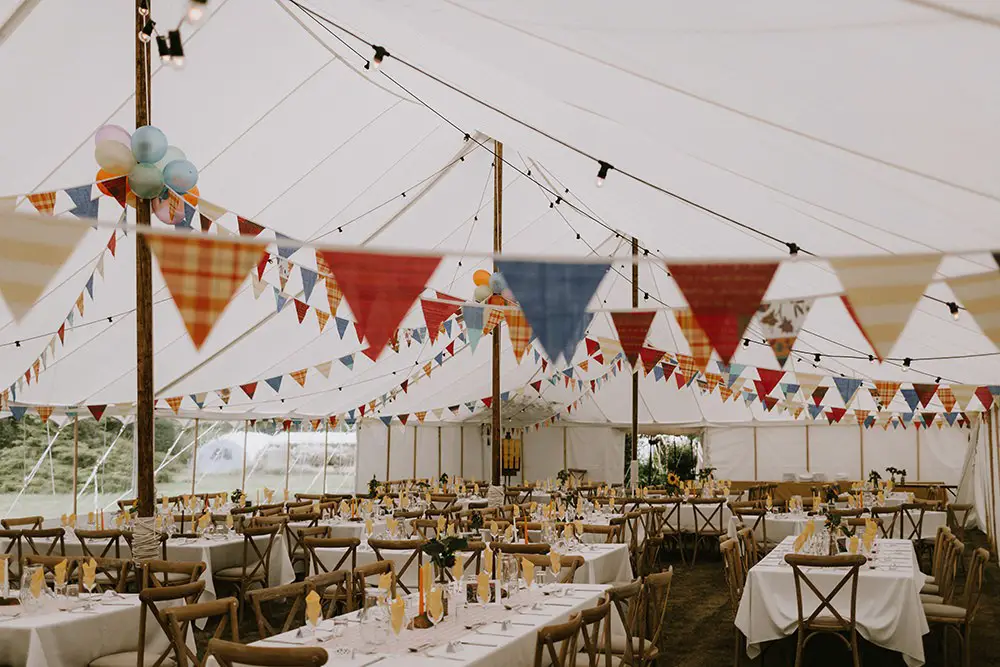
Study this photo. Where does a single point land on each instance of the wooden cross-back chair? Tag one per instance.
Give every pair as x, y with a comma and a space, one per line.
273, 509
708, 522
230, 654
612, 532
670, 530
627, 601
655, 595
12, 552
958, 618
44, 542
563, 634
23, 523
516, 495
735, 579
48, 565
442, 500
300, 497
473, 562
424, 528
181, 618
255, 565
334, 590
568, 565
165, 573
890, 520
348, 559
297, 552
825, 618
382, 548
360, 580
100, 543
947, 554
186, 594
755, 519
595, 631
112, 574
294, 616
912, 522
748, 549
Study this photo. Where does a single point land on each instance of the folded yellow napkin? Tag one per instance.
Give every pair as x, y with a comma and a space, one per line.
517, 512
369, 527
555, 562
799, 542
63, 520
578, 525
427, 575
612, 493
488, 559
881, 498
769, 501
869, 539
398, 614
568, 531
37, 580
158, 522
313, 611
475, 489
509, 533
229, 521
528, 570
532, 507
458, 569
597, 505
404, 501
483, 587
494, 529
853, 544
90, 518
205, 519
60, 572
611, 503
451, 530
385, 581
441, 522
72, 520
391, 524
89, 573
386, 501
427, 498
435, 605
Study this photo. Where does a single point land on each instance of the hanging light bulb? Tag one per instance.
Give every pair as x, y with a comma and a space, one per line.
817, 358
143, 7
602, 172
163, 48
196, 11
376, 61
176, 49
906, 364
147, 31
953, 309
746, 342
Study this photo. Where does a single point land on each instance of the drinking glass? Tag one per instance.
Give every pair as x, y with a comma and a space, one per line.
374, 617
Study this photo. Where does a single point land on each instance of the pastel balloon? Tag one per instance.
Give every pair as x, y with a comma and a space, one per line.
113, 133
481, 277
145, 180
482, 292
173, 153
497, 283
161, 208
149, 145
180, 176
114, 158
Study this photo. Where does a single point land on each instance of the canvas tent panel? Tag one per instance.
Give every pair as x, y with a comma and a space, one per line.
476, 463
543, 453
451, 454
836, 450
426, 463
600, 450
942, 453
730, 451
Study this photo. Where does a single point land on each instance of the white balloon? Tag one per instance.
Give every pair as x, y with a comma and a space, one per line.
115, 158
173, 153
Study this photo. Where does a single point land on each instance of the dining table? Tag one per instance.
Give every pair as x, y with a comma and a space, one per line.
888, 613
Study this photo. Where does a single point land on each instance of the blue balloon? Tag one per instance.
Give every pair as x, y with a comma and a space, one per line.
180, 176
149, 144
497, 283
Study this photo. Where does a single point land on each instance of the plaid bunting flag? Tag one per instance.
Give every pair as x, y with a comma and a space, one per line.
44, 412
494, 317
881, 292
723, 298
321, 318
946, 397
202, 274
519, 330
632, 327
300, 376
248, 227
698, 341
861, 415
301, 308
712, 380
175, 403
380, 289
32, 251
687, 367
44, 202
884, 392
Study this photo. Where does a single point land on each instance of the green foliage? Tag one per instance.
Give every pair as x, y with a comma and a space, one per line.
667, 455
441, 551
22, 443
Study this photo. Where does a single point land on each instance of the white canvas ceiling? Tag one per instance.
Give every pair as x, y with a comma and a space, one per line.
860, 128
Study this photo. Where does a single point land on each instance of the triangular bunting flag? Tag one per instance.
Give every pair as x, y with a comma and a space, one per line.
946, 397
818, 394
97, 411
769, 379
473, 317
321, 318
341, 326
300, 376
199, 399
632, 327
911, 398
274, 383
248, 227
928, 418
348, 361
650, 357
698, 341
884, 392
881, 292
44, 202
285, 251
84, 206
847, 387
249, 389
175, 403
963, 394
980, 294
780, 323
985, 397
324, 368
436, 312
815, 410
17, 412
224, 395
925, 392
723, 298
519, 330
202, 274
301, 308
381, 289
118, 188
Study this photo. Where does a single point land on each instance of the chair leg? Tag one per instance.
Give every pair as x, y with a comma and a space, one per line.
799, 645
694, 553
854, 648
967, 646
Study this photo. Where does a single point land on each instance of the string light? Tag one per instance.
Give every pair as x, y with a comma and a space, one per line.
176, 48
602, 172
143, 7
746, 342
793, 248
906, 364
953, 309
376, 61
937, 379
817, 358
196, 11
871, 358
163, 48
146, 33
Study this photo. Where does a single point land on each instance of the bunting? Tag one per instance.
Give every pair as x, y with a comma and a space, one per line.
847, 387
436, 312
519, 330
780, 323
698, 341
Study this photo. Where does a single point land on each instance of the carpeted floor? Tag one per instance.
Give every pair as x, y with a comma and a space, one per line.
700, 634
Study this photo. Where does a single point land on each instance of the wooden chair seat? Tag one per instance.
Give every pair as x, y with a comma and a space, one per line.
130, 659
944, 613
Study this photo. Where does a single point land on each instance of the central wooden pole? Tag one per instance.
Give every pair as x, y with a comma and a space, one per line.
634, 469
76, 458
497, 246
143, 295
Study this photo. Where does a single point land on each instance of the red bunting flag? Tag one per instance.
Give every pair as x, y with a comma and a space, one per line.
593, 346
836, 414
381, 289
769, 379
62, 333
113, 244
818, 394
249, 389
301, 308
202, 274
650, 356
248, 227
537, 386
118, 188
985, 397
262, 265
488, 402
632, 327
97, 411
925, 392
723, 298
436, 312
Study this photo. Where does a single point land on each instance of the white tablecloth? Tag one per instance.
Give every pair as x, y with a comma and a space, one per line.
344, 529
779, 526
72, 639
889, 612
489, 645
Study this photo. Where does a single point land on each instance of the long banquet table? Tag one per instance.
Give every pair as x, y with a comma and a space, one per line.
889, 612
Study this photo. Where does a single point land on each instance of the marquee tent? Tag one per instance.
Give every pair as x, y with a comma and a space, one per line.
744, 134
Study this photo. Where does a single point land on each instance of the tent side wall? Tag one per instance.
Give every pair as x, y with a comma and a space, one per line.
600, 450
769, 452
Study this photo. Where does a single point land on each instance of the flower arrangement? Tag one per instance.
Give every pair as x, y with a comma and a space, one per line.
893, 471
832, 494
705, 473
235, 496
373, 487
443, 479
441, 550
476, 521
874, 478
562, 477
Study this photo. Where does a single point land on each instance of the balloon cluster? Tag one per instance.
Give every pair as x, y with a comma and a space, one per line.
152, 167
490, 285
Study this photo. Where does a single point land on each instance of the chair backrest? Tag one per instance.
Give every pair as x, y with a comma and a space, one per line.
416, 557
341, 600
595, 630
748, 549
169, 573
24, 522
149, 598
294, 535
568, 565
424, 528
912, 518
256, 559
974, 583
670, 521
348, 559
272, 520
628, 604
270, 510
847, 513
44, 541
939, 540
890, 519
708, 515
563, 634
958, 516
361, 574
733, 568
229, 654
832, 617
631, 535
612, 532
100, 543
948, 567
48, 564
294, 617
180, 618
656, 593
113, 573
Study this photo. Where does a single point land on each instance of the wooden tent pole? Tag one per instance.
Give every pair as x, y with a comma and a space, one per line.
326, 450
288, 457
461, 451
439, 452
194, 457
861, 432
243, 478
143, 294
565, 457
807, 447
918, 455
497, 246
388, 451
991, 510
634, 466
414, 452
76, 460
755, 451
